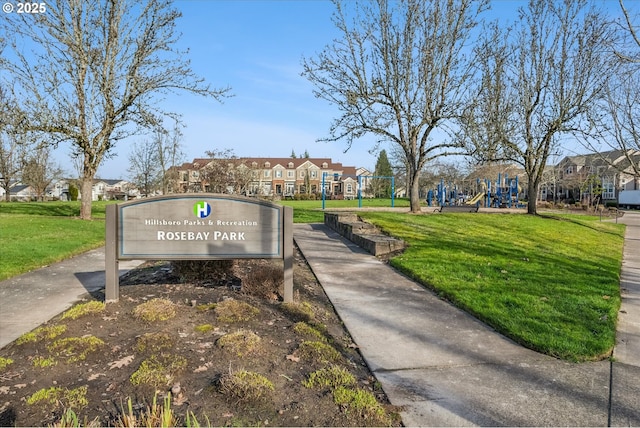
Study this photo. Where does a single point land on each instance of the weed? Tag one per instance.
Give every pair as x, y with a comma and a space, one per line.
70, 419
155, 310
203, 328
75, 348
240, 343
332, 376
155, 415
44, 362
158, 371
304, 329
363, 403
154, 342
60, 397
245, 386
232, 310
89, 308
206, 307
5, 362
318, 352
42, 333
298, 311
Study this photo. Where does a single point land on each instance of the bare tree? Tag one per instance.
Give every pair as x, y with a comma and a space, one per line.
631, 39
97, 71
39, 170
399, 71
622, 124
13, 142
168, 146
144, 166
538, 83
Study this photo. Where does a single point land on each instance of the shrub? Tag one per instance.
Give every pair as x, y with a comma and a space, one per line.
155, 310
318, 352
158, 371
215, 271
264, 282
332, 376
240, 343
231, 311
245, 386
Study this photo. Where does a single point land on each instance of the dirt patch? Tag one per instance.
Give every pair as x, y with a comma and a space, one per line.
134, 360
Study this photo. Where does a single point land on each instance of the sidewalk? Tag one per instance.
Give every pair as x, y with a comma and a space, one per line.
29, 300
448, 369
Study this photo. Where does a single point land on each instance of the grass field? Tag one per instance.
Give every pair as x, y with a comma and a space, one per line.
33, 234
550, 283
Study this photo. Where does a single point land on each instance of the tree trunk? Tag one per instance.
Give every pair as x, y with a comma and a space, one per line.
532, 193
87, 195
414, 192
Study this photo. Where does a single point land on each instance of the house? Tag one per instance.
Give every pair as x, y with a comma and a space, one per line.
58, 190
583, 177
108, 190
273, 177
22, 193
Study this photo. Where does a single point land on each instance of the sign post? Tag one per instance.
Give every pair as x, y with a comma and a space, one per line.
197, 226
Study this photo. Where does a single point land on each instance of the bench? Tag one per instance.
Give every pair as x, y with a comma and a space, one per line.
457, 209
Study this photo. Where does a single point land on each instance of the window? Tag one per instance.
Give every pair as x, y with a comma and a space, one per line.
267, 173
301, 174
314, 174
290, 174
349, 188
278, 173
290, 165
608, 188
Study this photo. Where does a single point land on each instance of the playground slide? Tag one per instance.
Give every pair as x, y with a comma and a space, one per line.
477, 198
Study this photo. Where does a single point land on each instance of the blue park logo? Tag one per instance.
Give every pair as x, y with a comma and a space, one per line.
202, 209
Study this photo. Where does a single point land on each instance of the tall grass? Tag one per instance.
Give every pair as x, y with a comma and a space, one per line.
551, 284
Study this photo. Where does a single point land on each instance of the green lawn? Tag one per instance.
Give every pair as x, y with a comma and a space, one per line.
551, 284
34, 234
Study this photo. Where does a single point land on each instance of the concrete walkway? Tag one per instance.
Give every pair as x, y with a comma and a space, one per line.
442, 365
448, 369
29, 300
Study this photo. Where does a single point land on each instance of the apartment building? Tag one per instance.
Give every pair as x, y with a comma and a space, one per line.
272, 177
580, 177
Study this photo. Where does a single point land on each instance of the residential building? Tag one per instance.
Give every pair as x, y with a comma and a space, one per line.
108, 190
582, 177
272, 177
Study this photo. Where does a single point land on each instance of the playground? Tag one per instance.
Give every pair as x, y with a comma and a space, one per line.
504, 192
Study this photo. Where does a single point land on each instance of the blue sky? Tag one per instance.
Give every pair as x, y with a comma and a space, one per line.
256, 48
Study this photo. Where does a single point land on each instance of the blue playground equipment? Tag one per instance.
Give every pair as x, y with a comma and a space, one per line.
503, 193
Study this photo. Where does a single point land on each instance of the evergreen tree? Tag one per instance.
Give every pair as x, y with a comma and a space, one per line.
382, 186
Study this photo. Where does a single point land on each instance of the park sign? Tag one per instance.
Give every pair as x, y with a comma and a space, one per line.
197, 226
